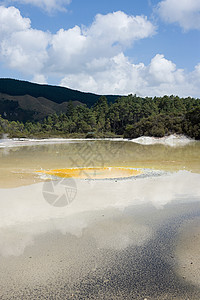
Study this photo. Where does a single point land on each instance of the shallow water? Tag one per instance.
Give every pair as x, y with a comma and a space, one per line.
19, 164
100, 239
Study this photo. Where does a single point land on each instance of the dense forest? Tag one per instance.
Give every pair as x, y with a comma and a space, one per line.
128, 116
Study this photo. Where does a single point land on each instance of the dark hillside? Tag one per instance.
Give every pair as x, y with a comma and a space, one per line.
54, 93
28, 108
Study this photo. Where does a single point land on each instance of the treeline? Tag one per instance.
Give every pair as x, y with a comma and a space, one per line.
129, 116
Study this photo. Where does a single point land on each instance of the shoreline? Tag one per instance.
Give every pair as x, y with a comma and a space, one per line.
170, 140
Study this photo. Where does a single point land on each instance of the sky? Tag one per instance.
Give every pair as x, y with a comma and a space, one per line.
143, 47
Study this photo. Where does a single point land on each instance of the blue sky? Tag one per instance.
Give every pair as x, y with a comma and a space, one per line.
147, 47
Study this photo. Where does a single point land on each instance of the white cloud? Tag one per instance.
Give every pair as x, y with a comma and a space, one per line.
184, 12
25, 50
68, 51
21, 47
48, 5
73, 48
119, 28
12, 21
40, 78
117, 76
92, 58
163, 70
120, 76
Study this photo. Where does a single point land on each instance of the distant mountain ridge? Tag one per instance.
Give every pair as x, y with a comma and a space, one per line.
23, 100
56, 94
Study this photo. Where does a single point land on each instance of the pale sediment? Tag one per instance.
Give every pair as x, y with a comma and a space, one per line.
118, 255
188, 251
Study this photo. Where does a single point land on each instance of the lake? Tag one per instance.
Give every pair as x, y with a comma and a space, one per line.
100, 219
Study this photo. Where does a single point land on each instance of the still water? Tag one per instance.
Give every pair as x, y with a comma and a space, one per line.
123, 237
18, 165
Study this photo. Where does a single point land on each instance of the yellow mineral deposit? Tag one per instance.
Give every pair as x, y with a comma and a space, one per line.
94, 173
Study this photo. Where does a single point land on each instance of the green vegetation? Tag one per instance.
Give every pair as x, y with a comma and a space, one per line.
129, 116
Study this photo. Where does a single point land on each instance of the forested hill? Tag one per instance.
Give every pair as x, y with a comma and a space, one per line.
25, 101
54, 93
129, 116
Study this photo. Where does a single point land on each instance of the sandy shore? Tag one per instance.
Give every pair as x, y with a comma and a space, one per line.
118, 256
116, 240
188, 251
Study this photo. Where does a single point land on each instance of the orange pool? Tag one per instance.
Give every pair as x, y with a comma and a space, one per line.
93, 173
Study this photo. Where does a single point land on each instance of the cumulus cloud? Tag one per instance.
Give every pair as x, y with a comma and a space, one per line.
163, 70
25, 51
116, 76
120, 76
40, 78
11, 21
106, 37
92, 58
184, 12
48, 5
119, 28
34, 51
21, 47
